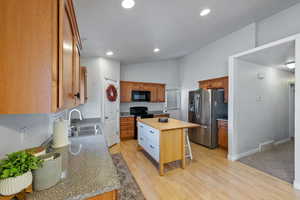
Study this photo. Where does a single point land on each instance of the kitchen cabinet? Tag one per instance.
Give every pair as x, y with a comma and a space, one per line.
127, 127
164, 142
153, 89
157, 90
223, 134
217, 83
161, 93
125, 91
39, 56
83, 85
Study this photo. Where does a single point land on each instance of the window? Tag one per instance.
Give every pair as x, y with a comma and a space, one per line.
173, 99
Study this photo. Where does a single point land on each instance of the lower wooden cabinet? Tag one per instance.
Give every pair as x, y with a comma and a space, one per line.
113, 195
223, 134
127, 128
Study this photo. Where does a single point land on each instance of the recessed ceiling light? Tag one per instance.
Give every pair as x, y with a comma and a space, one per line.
205, 12
127, 4
291, 65
156, 50
109, 53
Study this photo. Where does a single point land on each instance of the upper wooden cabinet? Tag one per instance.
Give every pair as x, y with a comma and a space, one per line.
216, 84
157, 90
83, 85
39, 56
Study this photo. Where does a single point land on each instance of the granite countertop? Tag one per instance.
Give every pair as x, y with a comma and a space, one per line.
170, 125
126, 114
222, 119
87, 174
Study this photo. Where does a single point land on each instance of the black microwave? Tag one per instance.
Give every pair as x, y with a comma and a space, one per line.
140, 95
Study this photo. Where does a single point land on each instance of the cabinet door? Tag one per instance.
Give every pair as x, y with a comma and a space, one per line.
83, 85
76, 73
223, 137
125, 91
68, 99
161, 93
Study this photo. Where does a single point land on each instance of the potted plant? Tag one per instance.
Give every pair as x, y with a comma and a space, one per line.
15, 172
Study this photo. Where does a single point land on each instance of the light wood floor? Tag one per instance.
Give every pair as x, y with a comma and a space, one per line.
210, 176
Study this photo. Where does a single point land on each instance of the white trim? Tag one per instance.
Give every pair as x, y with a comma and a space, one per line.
260, 146
266, 46
282, 141
297, 184
241, 155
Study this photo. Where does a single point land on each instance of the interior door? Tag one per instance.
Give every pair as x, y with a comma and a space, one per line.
111, 125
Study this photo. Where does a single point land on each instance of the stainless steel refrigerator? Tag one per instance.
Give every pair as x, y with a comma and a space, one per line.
205, 107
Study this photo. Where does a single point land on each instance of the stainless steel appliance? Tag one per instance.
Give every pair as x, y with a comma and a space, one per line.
139, 111
205, 107
140, 96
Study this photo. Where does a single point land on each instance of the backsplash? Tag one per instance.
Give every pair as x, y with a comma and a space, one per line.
124, 107
25, 131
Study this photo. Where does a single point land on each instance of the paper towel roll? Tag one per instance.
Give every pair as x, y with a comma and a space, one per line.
60, 133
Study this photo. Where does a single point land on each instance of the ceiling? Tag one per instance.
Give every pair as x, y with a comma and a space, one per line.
276, 56
174, 26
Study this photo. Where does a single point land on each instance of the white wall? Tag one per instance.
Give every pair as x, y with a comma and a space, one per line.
156, 72
212, 61
297, 117
280, 25
38, 129
261, 107
97, 69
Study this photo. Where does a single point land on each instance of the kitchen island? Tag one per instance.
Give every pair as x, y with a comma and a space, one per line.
164, 142
88, 172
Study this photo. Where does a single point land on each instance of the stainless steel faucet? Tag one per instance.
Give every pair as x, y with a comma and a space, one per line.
75, 110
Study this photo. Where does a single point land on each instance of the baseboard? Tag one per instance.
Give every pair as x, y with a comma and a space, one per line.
282, 141
236, 157
297, 184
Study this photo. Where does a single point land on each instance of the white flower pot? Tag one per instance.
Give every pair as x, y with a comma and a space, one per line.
10, 186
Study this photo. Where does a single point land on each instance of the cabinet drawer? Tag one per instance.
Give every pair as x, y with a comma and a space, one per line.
126, 119
153, 151
152, 135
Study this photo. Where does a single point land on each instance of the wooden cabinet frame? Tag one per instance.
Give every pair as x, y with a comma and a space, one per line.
217, 83
31, 56
157, 90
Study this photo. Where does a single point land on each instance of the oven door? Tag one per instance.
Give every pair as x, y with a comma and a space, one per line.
140, 95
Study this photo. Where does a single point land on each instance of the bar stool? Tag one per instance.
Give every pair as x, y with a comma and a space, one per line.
188, 145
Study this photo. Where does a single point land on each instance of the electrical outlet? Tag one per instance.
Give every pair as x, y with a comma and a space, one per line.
259, 98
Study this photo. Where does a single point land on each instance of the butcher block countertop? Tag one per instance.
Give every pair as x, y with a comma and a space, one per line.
172, 124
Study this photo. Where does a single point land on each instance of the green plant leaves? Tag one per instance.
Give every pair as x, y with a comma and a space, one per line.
18, 163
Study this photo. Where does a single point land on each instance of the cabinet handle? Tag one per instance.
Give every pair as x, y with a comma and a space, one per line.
141, 138
77, 95
152, 146
151, 131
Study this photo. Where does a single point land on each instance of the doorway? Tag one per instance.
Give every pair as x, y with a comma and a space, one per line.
111, 114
